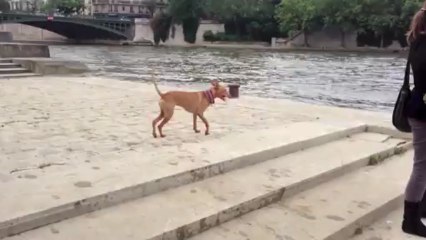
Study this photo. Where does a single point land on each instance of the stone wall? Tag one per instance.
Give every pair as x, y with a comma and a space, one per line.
22, 32
48, 66
329, 38
6, 36
326, 38
16, 50
143, 32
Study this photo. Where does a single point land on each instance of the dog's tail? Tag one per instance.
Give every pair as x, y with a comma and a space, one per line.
156, 87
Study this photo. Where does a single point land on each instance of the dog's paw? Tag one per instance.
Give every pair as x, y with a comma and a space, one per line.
196, 131
162, 136
207, 133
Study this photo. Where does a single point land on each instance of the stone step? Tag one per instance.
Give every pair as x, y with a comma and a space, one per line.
15, 70
386, 228
18, 75
57, 196
9, 65
4, 60
188, 210
335, 210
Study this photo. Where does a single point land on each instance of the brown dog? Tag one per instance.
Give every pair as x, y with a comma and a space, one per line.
193, 102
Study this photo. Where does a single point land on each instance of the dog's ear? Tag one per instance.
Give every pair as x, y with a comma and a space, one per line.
215, 83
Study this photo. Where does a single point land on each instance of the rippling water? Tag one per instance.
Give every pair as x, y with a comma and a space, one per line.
340, 79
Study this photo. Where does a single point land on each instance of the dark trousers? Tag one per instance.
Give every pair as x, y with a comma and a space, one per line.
417, 183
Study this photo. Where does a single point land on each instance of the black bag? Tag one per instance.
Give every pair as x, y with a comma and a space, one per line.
399, 116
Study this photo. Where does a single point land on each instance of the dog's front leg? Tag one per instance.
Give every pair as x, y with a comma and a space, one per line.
205, 122
194, 123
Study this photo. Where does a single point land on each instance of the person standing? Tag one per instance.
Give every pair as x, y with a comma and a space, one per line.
415, 197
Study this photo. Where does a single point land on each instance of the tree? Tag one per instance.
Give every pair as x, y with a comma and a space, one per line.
252, 19
298, 15
408, 9
379, 24
378, 16
240, 11
160, 25
388, 16
342, 14
187, 13
65, 7
382, 18
4, 6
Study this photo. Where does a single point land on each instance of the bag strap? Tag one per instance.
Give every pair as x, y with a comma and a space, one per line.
407, 74
407, 68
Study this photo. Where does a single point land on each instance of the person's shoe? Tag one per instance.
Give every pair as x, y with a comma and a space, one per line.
412, 223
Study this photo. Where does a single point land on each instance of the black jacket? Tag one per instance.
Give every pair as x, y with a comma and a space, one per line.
416, 106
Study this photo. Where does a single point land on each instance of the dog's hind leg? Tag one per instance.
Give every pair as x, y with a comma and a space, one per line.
155, 122
167, 115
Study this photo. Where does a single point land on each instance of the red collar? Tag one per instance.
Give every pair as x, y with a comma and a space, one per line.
209, 95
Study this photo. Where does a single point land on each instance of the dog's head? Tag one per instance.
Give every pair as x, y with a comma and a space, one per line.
219, 90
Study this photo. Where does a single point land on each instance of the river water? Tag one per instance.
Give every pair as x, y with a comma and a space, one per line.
364, 81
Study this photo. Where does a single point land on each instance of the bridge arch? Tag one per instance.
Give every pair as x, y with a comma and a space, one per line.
77, 28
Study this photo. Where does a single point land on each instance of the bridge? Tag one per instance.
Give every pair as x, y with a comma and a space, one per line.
77, 28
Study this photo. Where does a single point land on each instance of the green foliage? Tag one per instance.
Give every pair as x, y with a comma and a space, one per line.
380, 17
190, 27
408, 9
209, 36
4, 6
260, 20
227, 9
298, 15
185, 9
245, 18
187, 13
65, 7
223, 37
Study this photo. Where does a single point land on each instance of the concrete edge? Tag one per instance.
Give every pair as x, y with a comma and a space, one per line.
90, 204
214, 220
49, 66
196, 227
19, 76
12, 49
389, 131
354, 228
371, 160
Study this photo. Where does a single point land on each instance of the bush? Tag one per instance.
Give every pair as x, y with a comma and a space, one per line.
209, 36
223, 37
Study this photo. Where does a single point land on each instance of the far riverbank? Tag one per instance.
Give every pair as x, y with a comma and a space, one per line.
236, 45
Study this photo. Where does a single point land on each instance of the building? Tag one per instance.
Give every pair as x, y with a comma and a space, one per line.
100, 8
126, 8
32, 6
